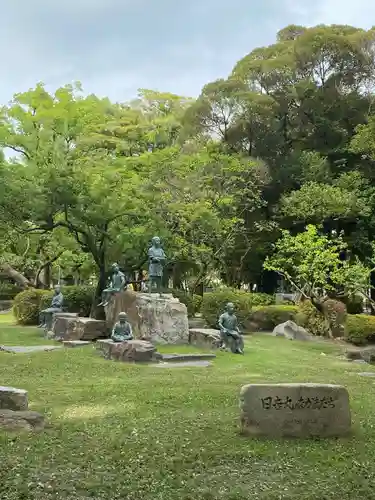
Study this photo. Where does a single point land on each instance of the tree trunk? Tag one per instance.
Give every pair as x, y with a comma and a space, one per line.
15, 275
97, 312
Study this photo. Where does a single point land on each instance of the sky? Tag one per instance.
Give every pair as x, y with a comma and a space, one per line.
115, 47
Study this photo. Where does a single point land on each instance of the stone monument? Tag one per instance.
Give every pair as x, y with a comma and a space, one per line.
160, 319
295, 410
229, 331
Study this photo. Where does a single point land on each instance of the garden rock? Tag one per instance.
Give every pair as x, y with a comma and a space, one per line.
291, 331
13, 399
21, 420
295, 410
132, 351
158, 319
207, 338
76, 328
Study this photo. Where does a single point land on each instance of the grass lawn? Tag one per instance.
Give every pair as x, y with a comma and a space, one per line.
138, 432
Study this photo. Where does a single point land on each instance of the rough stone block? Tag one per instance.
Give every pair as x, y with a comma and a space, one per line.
21, 421
158, 319
295, 410
291, 331
132, 351
76, 328
207, 338
13, 399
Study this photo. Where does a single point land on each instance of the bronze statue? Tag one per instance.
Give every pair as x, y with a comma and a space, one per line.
231, 337
122, 330
157, 260
116, 284
45, 316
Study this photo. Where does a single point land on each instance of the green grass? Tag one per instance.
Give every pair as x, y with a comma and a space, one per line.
138, 432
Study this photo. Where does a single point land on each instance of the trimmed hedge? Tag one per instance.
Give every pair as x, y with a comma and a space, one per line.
192, 302
8, 290
267, 317
213, 304
29, 303
312, 320
360, 329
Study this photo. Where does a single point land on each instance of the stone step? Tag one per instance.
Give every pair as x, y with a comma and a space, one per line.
183, 358
76, 343
183, 364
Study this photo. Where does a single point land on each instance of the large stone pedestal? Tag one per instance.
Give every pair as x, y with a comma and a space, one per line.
158, 319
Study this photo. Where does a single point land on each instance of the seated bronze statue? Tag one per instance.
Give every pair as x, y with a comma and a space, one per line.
231, 337
45, 316
122, 331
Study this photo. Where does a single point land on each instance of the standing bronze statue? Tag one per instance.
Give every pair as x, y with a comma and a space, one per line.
116, 284
156, 263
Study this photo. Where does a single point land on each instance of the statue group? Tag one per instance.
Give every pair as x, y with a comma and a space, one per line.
156, 263
45, 316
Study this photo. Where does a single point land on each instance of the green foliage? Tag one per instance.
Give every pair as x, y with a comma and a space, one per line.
27, 305
354, 304
8, 290
265, 318
192, 302
360, 329
312, 320
312, 263
77, 299
214, 303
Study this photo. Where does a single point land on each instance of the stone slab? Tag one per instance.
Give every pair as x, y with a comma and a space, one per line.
76, 343
18, 349
185, 364
207, 338
13, 399
367, 374
181, 358
21, 421
294, 410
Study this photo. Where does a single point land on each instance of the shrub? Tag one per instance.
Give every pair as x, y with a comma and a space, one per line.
261, 299
213, 305
192, 302
360, 329
8, 290
77, 299
265, 318
27, 305
311, 319
354, 304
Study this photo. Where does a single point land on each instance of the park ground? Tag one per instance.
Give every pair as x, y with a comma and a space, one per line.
118, 431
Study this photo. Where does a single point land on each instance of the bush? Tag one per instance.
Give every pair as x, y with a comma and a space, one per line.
354, 304
360, 329
192, 302
311, 319
27, 305
267, 317
8, 290
213, 304
77, 299
261, 299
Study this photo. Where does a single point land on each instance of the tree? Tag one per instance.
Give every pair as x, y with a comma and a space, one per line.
312, 263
